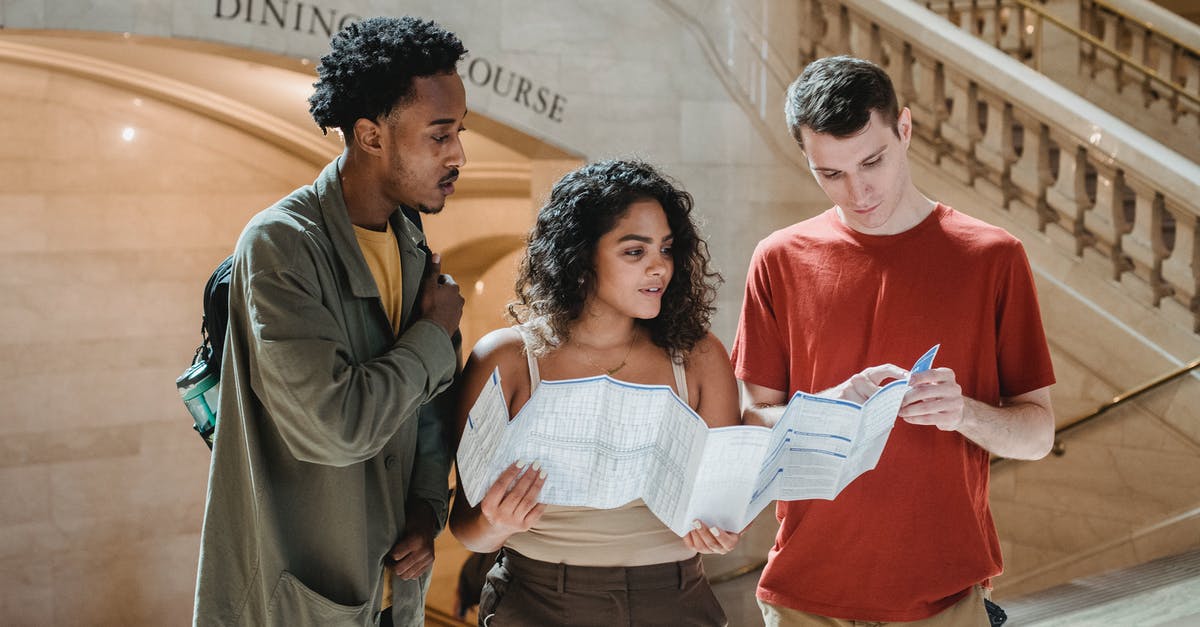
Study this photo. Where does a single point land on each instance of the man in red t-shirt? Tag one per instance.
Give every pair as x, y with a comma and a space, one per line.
831, 303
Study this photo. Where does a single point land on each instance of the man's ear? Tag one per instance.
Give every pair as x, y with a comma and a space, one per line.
368, 136
904, 126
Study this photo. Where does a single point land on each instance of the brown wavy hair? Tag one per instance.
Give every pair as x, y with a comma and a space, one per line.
558, 272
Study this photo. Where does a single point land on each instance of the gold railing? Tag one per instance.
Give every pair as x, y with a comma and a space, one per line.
1097, 16
1116, 51
1066, 429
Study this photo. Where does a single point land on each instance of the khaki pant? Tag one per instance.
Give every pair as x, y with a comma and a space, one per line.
523, 591
968, 612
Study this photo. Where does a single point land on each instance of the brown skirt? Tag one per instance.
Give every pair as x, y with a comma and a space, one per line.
521, 591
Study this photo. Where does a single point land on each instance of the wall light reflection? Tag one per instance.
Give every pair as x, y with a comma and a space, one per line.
128, 133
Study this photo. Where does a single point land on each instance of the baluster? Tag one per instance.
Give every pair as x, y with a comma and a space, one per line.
844, 29
1009, 22
987, 21
928, 106
812, 31
1181, 269
1187, 72
1102, 66
1106, 219
1030, 174
1067, 199
1144, 245
1139, 51
960, 130
994, 150
864, 39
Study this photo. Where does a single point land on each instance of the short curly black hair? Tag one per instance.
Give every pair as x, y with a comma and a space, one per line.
558, 272
371, 65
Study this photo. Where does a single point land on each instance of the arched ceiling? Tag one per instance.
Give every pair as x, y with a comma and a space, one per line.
278, 87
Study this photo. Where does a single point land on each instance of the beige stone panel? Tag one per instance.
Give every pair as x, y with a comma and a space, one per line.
46, 447
90, 118
88, 493
721, 133
1078, 389
638, 127
487, 298
60, 355
1132, 428
1183, 413
23, 82
1121, 362
1059, 573
1062, 497
1002, 484
118, 501
31, 541
24, 493
1178, 537
169, 261
1021, 559
466, 219
697, 84
595, 76
146, 582
22, 216
95, 399
106, 398
27, 592
1165, 477
1056, 532
93, 311
563, 28
168, 222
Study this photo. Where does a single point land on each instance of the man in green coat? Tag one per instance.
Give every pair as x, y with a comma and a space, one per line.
329, 470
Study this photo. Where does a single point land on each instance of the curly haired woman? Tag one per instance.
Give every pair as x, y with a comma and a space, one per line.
615, 281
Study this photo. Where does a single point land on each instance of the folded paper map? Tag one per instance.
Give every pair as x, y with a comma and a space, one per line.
604, 443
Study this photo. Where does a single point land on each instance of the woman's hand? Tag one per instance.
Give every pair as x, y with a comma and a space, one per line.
705, 539
511, 504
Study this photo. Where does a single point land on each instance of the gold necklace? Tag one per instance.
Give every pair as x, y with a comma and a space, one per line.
614, 370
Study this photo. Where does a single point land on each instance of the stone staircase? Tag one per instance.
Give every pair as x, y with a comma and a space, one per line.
1108, 215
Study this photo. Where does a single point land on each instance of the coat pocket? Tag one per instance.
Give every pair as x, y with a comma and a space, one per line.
293, 603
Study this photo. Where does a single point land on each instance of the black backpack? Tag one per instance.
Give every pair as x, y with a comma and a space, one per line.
198, 384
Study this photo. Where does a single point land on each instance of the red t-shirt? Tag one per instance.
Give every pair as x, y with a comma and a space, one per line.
909, 538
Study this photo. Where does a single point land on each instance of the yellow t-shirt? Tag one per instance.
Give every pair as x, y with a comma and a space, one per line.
383, 258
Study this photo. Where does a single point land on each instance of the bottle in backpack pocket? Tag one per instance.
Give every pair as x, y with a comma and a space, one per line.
201, 394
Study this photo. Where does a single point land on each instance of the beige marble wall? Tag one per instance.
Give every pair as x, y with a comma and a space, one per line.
1123, 492
105, 242
113, 211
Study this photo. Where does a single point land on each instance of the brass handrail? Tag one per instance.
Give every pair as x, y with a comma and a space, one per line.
1097, 43
1120, 56
1146, 25
1118, 400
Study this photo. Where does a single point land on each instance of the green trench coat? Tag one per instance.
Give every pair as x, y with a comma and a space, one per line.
326, 428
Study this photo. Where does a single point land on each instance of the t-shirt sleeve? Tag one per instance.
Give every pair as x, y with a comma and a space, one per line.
759, 355
1023, 356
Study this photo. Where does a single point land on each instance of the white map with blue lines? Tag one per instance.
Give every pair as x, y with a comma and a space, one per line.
604, 443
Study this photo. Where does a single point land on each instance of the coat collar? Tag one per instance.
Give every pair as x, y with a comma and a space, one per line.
341, 233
